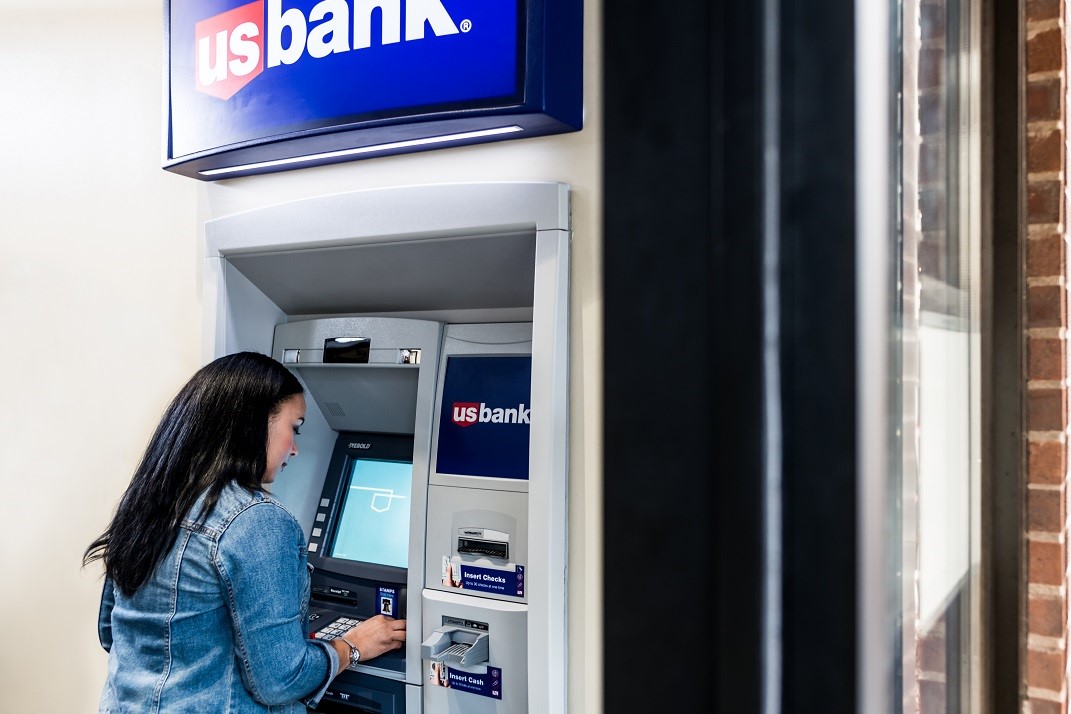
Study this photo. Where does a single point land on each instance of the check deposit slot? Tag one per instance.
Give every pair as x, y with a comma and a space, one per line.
369, 397
474, 604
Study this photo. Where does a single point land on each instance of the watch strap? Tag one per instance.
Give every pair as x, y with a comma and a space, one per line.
355, 654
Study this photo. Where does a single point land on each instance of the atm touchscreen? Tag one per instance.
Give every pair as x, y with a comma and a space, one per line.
373, 522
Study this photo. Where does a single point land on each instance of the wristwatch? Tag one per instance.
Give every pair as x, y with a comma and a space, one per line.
355, 654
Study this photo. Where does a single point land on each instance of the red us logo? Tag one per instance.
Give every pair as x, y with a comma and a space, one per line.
465, 413
230, 50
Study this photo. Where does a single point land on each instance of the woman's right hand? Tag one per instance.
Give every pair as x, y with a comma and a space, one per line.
376, 635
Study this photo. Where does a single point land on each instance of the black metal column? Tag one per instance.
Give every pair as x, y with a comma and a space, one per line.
685, 443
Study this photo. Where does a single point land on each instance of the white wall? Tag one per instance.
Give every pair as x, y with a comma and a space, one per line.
100, 244
100, 314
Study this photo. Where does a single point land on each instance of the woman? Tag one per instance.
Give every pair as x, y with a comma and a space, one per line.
205, 605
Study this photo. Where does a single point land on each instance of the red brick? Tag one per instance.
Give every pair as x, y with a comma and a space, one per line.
1044, 52
1045, 670
933, 254
1044, 511
932, 652
931, 161
1043, 202
1046, 563
1045, 256
1046, 616
1042, 9
933, 697
931, 68
932, 20
1043, 100
1045, 306
1046, 462
1045, 152
1046, 410
1045, 358
932, 116
933, 205
1046, 706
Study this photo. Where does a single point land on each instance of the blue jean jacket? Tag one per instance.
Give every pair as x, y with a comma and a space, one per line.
222, 623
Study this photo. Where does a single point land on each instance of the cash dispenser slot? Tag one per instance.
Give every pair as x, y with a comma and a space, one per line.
455, 645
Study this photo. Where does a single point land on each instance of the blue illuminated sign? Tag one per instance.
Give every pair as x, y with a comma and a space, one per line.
286, 83
485, 417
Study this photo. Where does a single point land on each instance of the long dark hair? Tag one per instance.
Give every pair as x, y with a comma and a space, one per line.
215, 431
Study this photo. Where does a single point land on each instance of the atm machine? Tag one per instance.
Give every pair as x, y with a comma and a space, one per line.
372, 380
429, 328
423, 511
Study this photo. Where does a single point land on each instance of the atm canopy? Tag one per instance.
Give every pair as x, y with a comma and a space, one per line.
457, 273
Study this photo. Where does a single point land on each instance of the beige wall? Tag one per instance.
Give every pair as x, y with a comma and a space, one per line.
103, 248
100, 314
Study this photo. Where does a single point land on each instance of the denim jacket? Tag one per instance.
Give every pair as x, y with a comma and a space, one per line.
222, 623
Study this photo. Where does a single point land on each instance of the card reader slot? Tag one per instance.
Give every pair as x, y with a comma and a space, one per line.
490, 548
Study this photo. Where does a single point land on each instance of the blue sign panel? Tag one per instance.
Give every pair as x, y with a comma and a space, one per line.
484, 422
245, 74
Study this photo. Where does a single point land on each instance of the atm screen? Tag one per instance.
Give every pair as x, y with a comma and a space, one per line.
373, 523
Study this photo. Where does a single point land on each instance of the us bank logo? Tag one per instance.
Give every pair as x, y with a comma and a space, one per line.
234, 47
465, 414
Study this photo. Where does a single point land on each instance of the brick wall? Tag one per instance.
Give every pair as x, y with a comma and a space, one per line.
1045, 661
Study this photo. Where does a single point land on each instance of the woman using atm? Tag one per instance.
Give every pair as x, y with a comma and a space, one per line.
206, 595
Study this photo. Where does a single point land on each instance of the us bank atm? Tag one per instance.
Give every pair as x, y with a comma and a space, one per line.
368, 379
429, 327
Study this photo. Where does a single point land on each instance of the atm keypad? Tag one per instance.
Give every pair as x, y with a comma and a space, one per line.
336, 628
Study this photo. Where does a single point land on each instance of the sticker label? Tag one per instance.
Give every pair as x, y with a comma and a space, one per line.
488, 684
483, 580
387, 602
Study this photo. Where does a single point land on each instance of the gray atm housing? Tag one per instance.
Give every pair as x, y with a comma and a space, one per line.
459, 505
400, 265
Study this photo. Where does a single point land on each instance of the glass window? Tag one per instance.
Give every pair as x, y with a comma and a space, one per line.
939, 424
